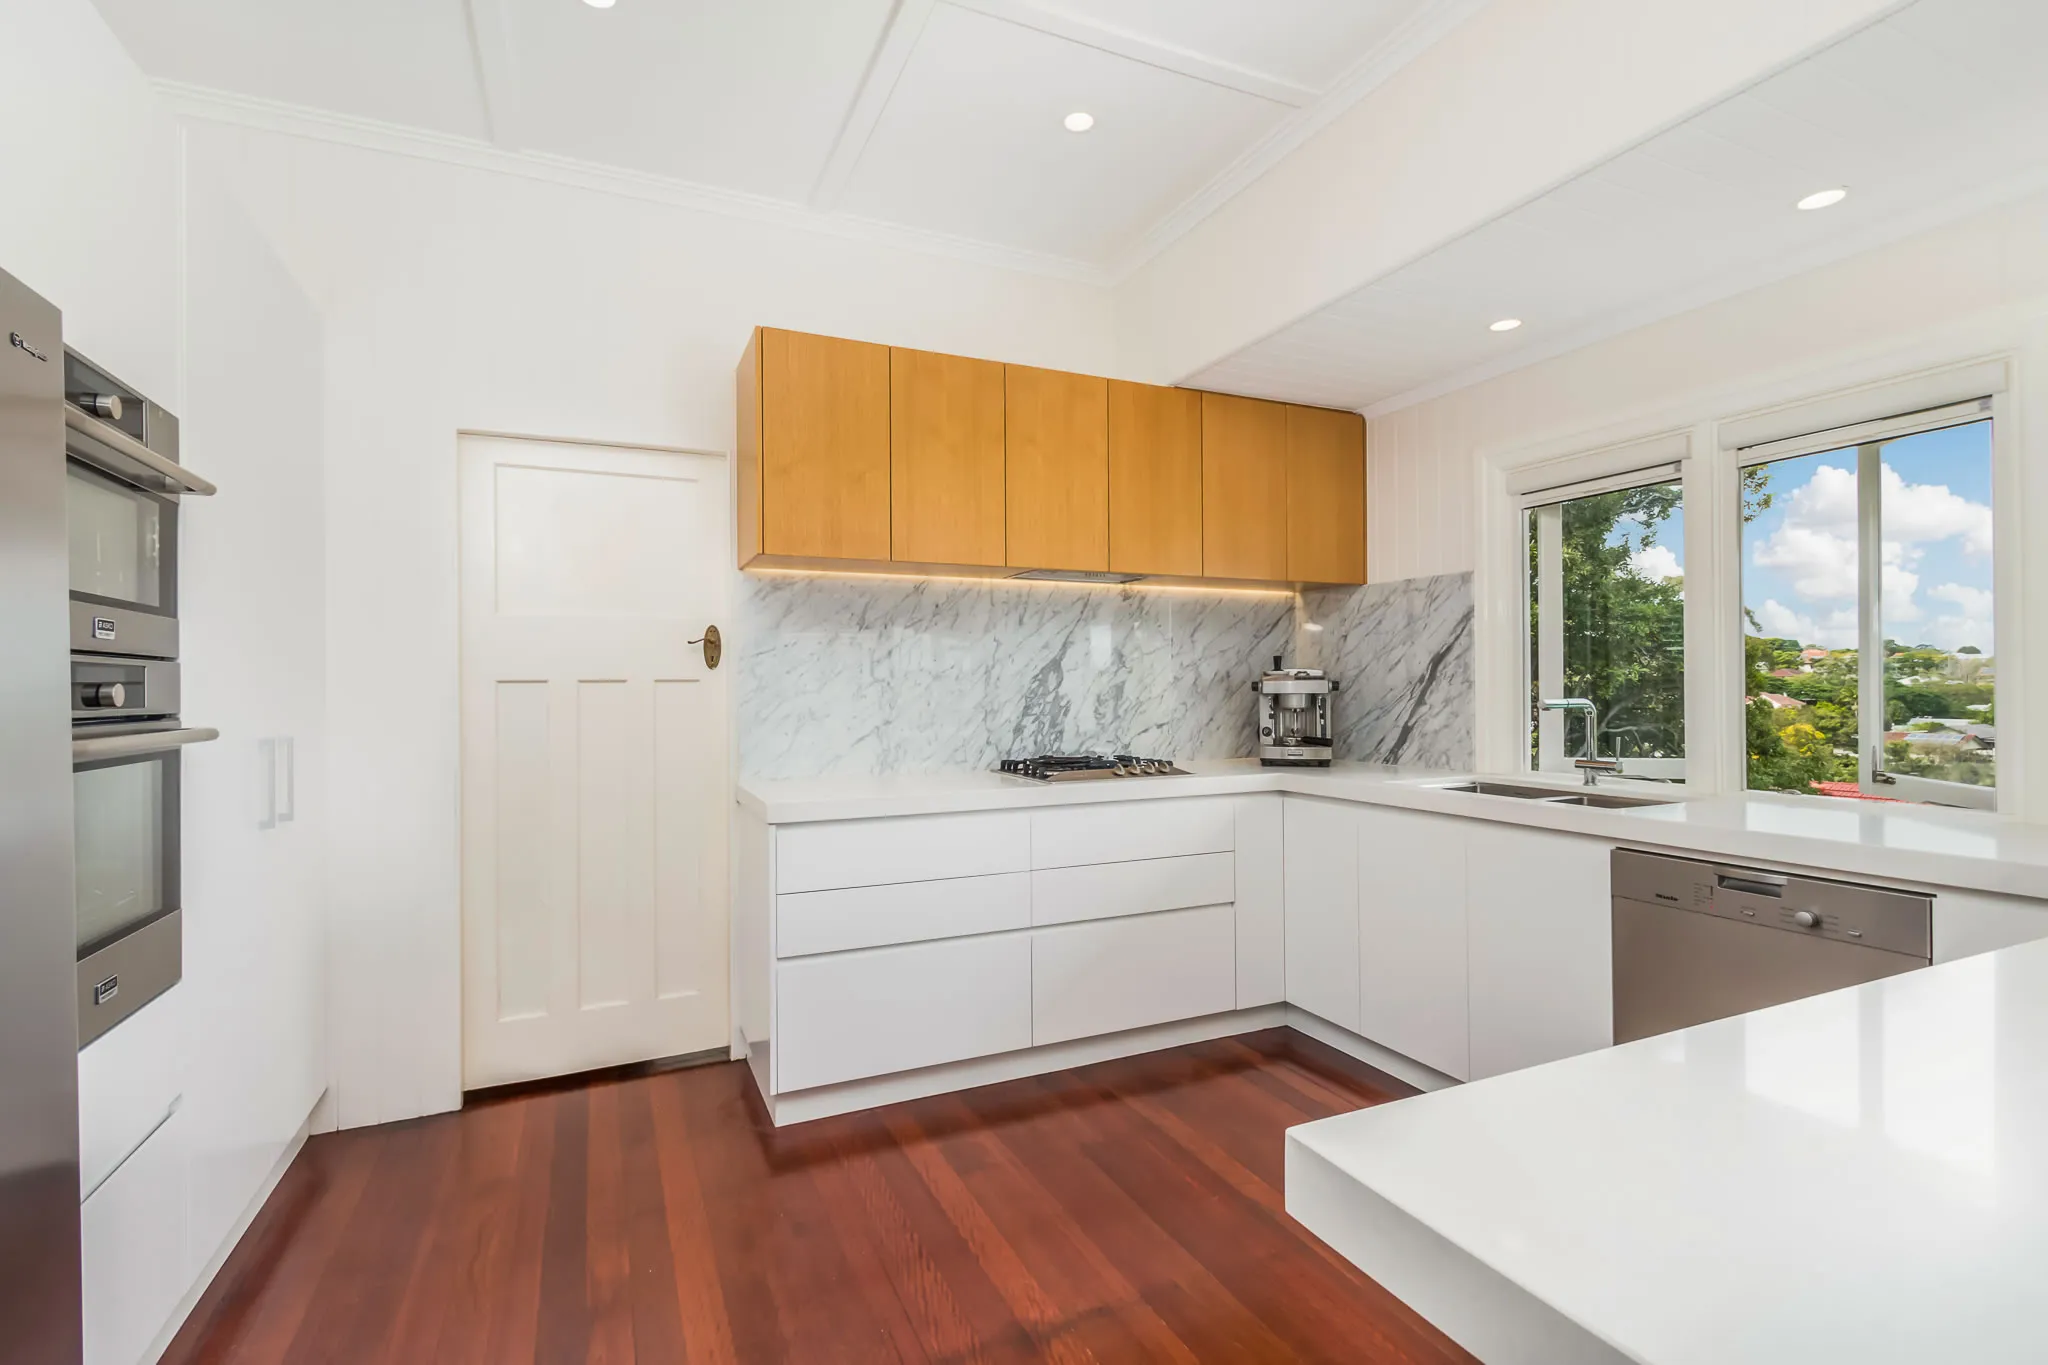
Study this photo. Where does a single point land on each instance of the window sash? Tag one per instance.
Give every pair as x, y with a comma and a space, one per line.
1868, 439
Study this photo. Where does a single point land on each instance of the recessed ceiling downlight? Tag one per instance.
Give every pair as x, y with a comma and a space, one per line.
1823, 199
1080, 121
600, 4
1505, 325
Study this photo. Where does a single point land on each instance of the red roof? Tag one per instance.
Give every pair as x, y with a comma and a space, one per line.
1849, 791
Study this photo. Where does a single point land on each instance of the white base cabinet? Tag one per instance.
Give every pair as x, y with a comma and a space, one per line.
1321, 888
1117, 974
1412, 993
844, 1016
871, 948
1540, 925
133, 1234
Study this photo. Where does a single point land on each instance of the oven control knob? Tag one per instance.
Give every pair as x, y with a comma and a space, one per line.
111, 694
1806, 919
102, 405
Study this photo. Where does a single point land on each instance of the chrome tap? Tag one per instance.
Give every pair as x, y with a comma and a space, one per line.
1588, 762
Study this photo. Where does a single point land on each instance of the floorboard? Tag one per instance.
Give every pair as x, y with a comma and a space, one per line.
1126, 1211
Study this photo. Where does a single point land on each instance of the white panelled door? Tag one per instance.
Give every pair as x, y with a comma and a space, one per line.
593, 758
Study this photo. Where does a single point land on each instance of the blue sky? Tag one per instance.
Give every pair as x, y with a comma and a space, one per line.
1799, 559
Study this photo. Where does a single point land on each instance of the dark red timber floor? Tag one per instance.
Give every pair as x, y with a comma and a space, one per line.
1126, 1211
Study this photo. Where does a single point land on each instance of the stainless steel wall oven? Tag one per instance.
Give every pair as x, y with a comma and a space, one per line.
122, 485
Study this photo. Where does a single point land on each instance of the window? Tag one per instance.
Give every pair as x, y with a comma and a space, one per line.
1869, 660
1606, 623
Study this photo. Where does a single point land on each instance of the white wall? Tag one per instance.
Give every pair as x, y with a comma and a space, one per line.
458, 298
88, 163
1515, 100
1974, 289
1948, 295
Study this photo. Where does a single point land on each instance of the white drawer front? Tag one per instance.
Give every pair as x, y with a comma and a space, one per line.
133, 1252
1069, 836
919, 848
1116, 974
882, 1010
1064, 895
128, 1079
903, 912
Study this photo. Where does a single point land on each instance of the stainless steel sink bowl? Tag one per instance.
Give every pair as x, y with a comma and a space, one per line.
1555, 796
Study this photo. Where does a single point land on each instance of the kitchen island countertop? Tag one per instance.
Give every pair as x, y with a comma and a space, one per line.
1859, 1177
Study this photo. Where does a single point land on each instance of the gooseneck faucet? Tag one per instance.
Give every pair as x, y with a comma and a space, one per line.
1588, 762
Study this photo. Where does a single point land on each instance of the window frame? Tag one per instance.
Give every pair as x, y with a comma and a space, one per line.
1549, 661
1704, 433
1868, 439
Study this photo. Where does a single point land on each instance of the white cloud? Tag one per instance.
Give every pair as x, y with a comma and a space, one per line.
1655, 562
1815, 545
1836, 630
1971, 601
1968, 624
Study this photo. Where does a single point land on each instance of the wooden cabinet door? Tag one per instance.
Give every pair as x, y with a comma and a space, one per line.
1056, 477
1155, 479
1325, 495
945, 458
1244, 488
823, 484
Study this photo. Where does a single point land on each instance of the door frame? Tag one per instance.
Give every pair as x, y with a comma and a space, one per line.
723, 596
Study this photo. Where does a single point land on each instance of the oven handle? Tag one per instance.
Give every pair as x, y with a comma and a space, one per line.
176, 477
96, 747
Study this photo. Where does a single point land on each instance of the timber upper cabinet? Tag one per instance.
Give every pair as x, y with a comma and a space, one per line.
875, 457
814, 447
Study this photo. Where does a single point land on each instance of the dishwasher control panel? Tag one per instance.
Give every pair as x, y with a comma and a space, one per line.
1873, 916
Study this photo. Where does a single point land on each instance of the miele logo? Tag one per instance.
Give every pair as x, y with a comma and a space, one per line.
102, 627
20, 343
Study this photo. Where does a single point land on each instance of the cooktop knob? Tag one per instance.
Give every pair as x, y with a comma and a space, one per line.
1806, 919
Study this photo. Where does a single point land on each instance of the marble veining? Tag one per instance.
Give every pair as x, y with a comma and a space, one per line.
879, 676
1403, 652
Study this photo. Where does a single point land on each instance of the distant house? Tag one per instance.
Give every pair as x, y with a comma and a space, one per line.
1779, 701
1790, 672
1812, 655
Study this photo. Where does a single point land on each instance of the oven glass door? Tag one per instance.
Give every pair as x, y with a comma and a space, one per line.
130, 930
123, 566
126, 812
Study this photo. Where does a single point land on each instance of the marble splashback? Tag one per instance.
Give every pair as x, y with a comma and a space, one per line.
1403, 652
869, 676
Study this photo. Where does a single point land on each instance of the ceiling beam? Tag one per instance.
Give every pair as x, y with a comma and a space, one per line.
497, 80
885, 68
1135, 47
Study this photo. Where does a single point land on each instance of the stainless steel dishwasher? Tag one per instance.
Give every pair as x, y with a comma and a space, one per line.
1695, 941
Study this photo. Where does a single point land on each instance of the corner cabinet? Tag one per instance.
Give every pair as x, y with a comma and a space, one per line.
859, 456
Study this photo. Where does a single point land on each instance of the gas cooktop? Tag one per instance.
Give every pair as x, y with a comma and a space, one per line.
1080, 767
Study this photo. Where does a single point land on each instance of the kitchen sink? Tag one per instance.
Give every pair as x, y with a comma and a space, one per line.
1555, 796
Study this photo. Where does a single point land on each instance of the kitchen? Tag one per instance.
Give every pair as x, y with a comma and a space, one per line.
407, 447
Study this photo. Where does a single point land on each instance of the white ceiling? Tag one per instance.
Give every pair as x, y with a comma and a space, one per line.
1932, 113
938, 115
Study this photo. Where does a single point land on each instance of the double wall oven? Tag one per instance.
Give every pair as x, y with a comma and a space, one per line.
122, 491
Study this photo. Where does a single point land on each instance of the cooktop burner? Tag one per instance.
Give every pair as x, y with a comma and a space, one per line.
1080, 767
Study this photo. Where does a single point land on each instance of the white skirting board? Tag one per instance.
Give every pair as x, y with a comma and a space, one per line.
234, 1237
803, 1105
1400, 1067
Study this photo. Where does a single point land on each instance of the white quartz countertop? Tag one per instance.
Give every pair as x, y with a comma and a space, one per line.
1859, 1177
1894, 843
